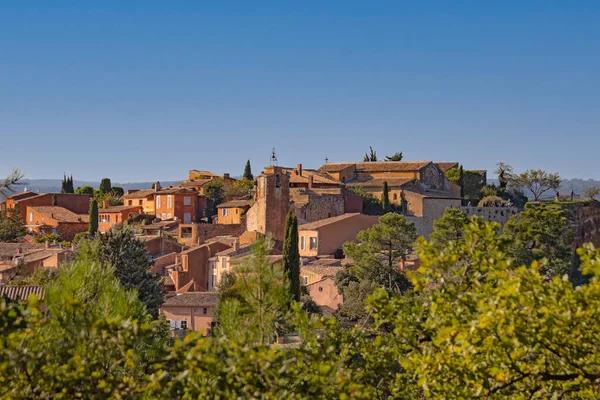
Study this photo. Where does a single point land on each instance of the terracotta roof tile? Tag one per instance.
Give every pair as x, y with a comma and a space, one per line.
236, 204
378, 182
60, 214
445, 166
9, 250
322, 271
193, 299
138, 194
117, 209
377, 166
22, 292
327, 221
188, 287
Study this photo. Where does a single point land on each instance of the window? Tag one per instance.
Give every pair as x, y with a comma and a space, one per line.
184, 324
224, 212
164, 216
104, 218
395, 196
168, 215
277, 181
302, 243
313, 243
187, 218
31, 216
305, 280
130, 202
187, 201
141, 202
54, 231
320, 288
205, 311
170, 201
158, 201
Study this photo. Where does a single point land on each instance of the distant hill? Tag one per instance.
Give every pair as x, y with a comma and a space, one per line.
577, 185
54, 185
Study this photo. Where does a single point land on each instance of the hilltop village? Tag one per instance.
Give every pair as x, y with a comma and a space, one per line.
193, 237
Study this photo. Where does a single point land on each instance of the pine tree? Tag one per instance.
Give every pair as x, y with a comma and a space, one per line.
248, 172
93, 224
291, 255
385, 201
128, 256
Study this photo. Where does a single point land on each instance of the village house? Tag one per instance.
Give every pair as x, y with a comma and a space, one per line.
319, 278
199, 179
190, 311
75, 203
231, 212
179, 203
109, 216
20, 259
143, 198
22, 293
42, 220
326, 237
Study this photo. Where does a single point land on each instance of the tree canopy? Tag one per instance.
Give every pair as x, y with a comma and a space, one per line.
248, 172
537, 181
12, 226
371, 155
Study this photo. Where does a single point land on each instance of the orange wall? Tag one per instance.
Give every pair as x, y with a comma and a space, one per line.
325, 293
178, 208
307, 252
234, 216
195, 317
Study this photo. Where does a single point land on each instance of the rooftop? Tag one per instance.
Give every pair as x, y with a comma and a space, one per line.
8, 250
321, 270
116, 209
236, 204
193, 299
328, 221
60, 214
445, 166
138, 194
22, 292
378, 182
377, 166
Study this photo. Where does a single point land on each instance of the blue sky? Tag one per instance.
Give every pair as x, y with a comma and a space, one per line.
147, 90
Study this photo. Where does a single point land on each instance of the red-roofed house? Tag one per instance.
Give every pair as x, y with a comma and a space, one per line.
44, 220
109, 216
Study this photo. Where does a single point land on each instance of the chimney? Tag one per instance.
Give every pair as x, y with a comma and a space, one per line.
157, 186
299, 170
310, 182
236, 244
105, 204
226, 175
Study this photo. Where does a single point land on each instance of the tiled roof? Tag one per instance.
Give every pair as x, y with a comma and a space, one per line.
193, 299
176, 190
117, 209
445, 166
323, 271
204, 173
236, 204
40, 255
60, 214
377, 166
188, 287
160, 225
22, 292
236, 252
195, 183
327, 221
319, 178
138, 194
324, 262
22, 195
378, 182
10, 249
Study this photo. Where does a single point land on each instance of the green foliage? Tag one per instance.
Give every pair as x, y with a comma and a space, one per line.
117, 191
128, 256
12, 226
257, 302
491, 200
396, 157
453, 175
239, 188
85, 190
214, 192
371, 205
39, 277
371, 155
449, 227
537, 181
80, 236
248, 172
67, 184
489, 190
385, 200
592, 192
291, 256
472, 184
105, 186
49, 237
541, 233
95, 341
505, 175
93, 224
54, 200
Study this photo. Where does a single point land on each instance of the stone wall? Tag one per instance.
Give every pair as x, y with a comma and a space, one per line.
310, 206
495, 214
193, 234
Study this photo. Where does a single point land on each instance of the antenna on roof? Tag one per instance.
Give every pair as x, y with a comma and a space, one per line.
273, 159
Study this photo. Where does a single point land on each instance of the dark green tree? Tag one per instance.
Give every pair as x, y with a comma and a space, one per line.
385, 200
371, 155
12, 226
85, 190
461, 181
129, 258
67, 184
248, 172
449, 227
541, 233
93, 224
396, 157
105, 186
291, 255
54, 200
117, 191
214, 192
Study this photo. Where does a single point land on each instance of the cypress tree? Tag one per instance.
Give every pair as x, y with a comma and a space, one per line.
461, 181
105, 186
93, 224
291, 255
248, 172
63, 186
385, 201
54, 200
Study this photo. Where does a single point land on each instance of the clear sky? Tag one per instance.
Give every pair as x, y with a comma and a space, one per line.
147, 90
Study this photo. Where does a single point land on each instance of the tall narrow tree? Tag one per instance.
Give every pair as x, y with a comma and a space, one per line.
54, 200
385, 200
291, 256
248, 172
105, 186
93, 224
